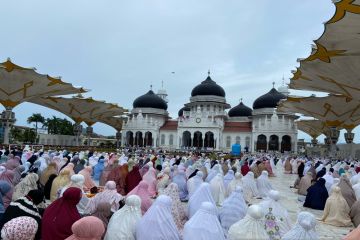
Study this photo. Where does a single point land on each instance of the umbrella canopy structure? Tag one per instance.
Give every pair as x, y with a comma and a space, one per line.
313, 127
335, 59
19, 84
81, 109
115, 122
334, 110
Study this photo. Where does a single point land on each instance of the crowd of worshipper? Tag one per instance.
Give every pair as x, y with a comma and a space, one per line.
151, 195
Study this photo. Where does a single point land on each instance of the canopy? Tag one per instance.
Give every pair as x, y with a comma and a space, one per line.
19, 84
313, 127
81, 109
334, 110
115, 122
334, 63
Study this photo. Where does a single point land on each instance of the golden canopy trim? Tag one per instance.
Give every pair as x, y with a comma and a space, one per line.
342, 7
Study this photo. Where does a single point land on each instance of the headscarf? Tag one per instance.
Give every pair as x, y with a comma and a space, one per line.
59, 182
48, 184
109, 195
263, 184
305, 183
249, 186
304, 229
60, 215
194, 183
229, 176
17, 174
132, 178
347, 191
8, 176
282, 218
103, 212
177, 209
150, 178
87, 228
250, 227
12, 163
122, 225
336, 210
118, 175
86, 172
245, 168
98, 169
234, 209
355, 213
236, 182
180, 180
316, 195
158, 222
5, 187
142, 191
202, 194
218, 189
204, 224
26, 185
49, 170
20, 228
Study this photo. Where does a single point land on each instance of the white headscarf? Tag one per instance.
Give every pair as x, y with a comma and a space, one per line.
236, 182
304, 229
122, 224
229, 176
263, 184
249, 186
218, 189
195, 182
213, 172
202, 194
204, 225
250, 227
234, 209
281, 214
158, 223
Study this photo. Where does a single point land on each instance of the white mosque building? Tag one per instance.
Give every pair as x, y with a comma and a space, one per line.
207, 121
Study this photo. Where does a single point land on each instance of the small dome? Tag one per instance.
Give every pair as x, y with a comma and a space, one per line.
240, 110
268, 100
181, 111
150, 100
208, 87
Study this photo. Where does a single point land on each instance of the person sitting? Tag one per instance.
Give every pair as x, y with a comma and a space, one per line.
20, 228
87, 228
304, 229
316, 195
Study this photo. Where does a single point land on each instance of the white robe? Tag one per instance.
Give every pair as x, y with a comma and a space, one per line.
202, 194
304, 228
218, 189
249, 186
194, 183
263, 184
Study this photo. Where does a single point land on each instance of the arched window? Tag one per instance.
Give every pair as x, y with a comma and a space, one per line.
162, 141
237, 140
171, 140
228, 141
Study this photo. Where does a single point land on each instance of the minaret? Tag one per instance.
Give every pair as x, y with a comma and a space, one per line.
283, 88
162, 92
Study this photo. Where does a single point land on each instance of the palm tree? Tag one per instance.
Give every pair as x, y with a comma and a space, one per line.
36, 118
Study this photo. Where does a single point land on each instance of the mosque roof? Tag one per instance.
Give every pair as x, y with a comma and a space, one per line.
268, 100
240, 110
208, 87
150, 100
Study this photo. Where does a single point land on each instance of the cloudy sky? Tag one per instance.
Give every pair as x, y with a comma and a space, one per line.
119, 48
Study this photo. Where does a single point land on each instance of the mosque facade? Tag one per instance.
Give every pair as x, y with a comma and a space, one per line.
208, 122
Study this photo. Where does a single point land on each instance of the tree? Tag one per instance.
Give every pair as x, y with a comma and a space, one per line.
36, 118
16, 134
29, 136
57, 125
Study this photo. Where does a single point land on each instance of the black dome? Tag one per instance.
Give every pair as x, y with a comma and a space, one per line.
240, 110
150, 100
268, 100
208, 87
181, 111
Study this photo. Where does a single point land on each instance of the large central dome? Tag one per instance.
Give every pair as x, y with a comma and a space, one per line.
150, 100
269, 100
208, 87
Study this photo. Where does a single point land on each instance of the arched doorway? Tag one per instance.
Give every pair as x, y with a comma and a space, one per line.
186, 139
274, 143
261, 144
198, 140
286, 143
209, 140
130, 138
139, 139
148, 139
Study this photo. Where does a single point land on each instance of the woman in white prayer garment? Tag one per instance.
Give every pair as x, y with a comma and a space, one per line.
249, 186
218, 189
195, 182
122, 224
250, 227
263, 184
204, 225
229, 176
304, 229
213, 172
281, 214
202, 194
234, 209
236, 182
158, 223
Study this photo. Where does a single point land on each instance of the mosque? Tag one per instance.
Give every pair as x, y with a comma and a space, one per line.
208, 122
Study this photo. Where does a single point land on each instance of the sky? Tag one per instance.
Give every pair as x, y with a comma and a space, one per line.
117, 49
